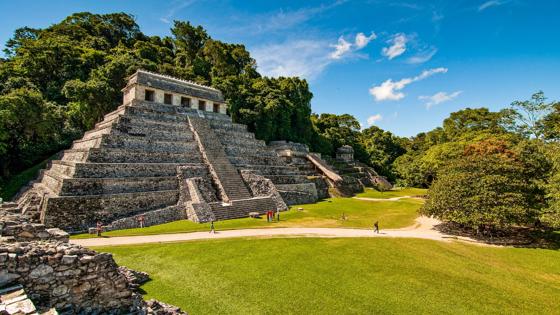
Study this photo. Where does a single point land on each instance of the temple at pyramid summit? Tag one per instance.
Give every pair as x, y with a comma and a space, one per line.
171, 152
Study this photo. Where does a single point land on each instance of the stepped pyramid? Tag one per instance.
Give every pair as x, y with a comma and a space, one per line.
169, 152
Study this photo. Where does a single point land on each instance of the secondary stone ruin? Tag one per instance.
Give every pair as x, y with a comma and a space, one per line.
169, 152
342, 176
41, 273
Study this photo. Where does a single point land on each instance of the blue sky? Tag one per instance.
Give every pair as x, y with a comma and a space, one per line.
401, 65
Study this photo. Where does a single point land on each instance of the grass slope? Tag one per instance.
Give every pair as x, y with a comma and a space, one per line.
347, 276
11, 186
372, 193
326, 213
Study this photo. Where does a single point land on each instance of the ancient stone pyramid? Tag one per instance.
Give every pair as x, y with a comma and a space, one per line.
169, 152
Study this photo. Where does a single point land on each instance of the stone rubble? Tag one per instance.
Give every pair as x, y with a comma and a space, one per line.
40, 271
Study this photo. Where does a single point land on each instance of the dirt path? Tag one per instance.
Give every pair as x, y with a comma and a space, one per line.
423, 229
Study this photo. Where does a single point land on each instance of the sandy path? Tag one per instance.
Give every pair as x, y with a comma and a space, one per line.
423, 229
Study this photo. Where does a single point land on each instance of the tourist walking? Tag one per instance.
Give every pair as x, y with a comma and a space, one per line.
212, 230
99, 228
376, 227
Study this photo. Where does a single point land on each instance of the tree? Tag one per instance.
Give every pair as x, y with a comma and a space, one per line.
382, 148
551, 123
551, 215
340, 130
527, 117
473, 120
491, 184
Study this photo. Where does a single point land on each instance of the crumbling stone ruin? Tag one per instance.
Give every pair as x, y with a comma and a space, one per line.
42, 273
169, 152
342, 176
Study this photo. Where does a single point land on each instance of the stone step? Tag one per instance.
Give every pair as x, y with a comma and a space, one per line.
63, 167
141, 112
93, 142
287, 179
249, 151
114, 155
78, 155
147, 144
243, 142
271, 170
242, 208
152, 132
225, 126
81, 212
119, 170
52, 180
256, 160
155, 133
230, 135
99, 186
155, 123
110, 117
94, 133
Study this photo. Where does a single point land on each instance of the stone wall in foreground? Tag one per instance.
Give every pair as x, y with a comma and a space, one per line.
68, 277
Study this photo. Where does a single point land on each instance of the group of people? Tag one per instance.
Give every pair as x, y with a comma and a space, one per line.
270, 216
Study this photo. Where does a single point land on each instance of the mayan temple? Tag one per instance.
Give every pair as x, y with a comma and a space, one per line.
169, 152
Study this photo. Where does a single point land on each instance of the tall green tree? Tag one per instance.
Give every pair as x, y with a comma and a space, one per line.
492, 184
382, 149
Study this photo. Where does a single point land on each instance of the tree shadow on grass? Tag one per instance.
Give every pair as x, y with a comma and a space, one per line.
522, 237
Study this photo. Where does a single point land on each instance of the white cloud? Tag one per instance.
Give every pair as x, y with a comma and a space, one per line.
373, 119
303, 58
439, 98
422, 57
362, 40
391, 91
491, 3
341, 48
397, 48
344, 48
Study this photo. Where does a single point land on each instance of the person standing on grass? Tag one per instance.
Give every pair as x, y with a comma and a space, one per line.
376, 227
99, 228
212, 230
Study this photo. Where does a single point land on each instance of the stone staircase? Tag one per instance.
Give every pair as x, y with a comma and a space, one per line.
213, 152
246, 152
237, 201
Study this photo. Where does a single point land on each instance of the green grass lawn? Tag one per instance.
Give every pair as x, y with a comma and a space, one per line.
347, 276
372, 193
326, 213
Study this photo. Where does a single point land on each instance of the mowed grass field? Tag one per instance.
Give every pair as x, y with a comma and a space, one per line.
326, 213
372, 193
347, 276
